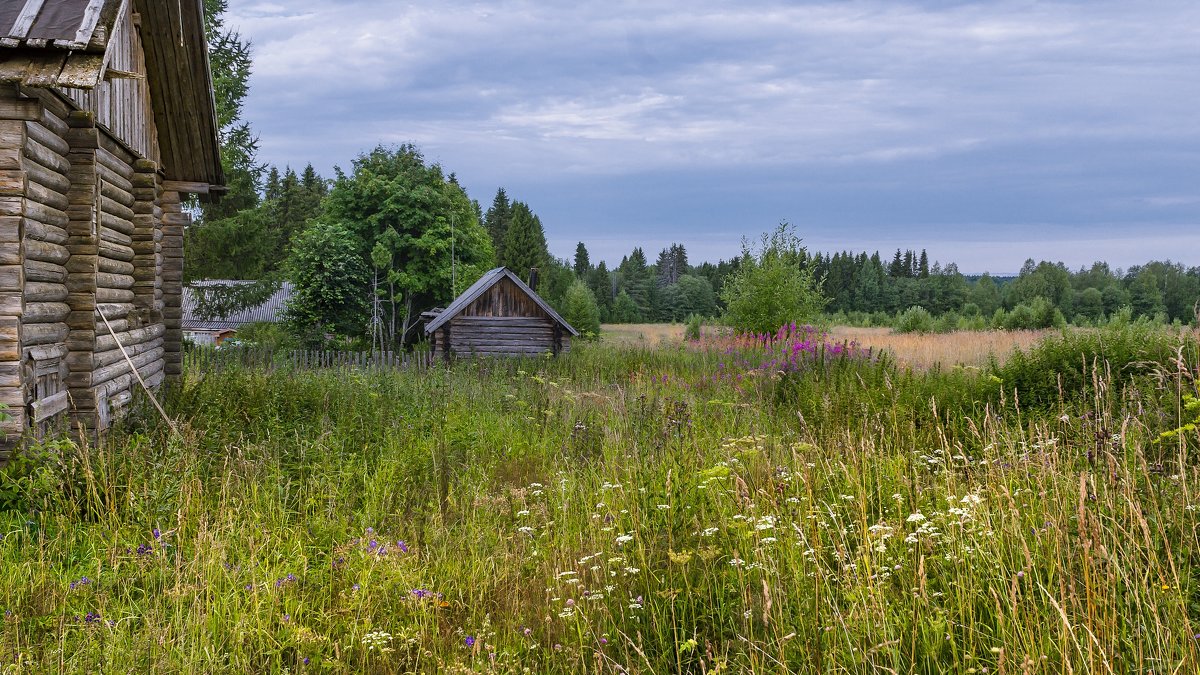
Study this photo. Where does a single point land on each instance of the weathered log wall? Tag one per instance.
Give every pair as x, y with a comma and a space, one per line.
503, 336
81, 240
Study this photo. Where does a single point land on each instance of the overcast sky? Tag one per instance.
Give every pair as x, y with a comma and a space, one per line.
985, 132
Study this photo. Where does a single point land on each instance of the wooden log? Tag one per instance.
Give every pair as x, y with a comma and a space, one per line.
10, 253
105, 157
115, 251
117, 267
46, 214
41, 291
11, 302
102, 359
48, 158
102, 376
50, 179
114, 295
113, 178
48, 138
12, 183
45, 312
43, 333
117, 224
108, 234
11, 278
122, 198
51, 120
46, 251
40, 231
106, 341
40, 270
41, 194
110, 280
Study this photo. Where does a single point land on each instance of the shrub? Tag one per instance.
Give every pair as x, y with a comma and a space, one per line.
915, 319
773, 285
581, 311
692, 331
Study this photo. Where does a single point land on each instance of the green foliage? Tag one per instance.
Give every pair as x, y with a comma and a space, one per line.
218, 301
1036, 314
328, 281
772, 286
625, 310
524, 242
407, 222
915, 320
644, 493
580, 310
694, 325
1071, 364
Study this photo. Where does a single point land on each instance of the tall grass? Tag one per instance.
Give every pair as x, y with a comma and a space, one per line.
590, 514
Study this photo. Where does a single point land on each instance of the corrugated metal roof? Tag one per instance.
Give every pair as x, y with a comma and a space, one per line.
489, 279
270, 311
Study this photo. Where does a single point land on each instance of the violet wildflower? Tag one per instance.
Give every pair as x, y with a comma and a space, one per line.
470, 641
157, 534
305, 661
402, 546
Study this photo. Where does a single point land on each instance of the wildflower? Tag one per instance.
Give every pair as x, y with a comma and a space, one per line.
916, 517
469, 641
624, 539
157, 534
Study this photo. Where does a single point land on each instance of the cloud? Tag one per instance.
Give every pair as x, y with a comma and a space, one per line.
1007, 98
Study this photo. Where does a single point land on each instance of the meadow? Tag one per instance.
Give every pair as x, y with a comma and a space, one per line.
787, 503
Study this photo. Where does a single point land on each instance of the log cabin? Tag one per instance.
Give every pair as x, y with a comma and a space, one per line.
107, 126
499, 315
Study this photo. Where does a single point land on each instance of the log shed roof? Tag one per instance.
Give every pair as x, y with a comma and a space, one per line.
66, 44
489, 279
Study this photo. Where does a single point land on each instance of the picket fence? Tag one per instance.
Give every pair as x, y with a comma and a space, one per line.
203, 360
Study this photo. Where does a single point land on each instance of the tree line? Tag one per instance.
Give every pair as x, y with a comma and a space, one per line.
371, 248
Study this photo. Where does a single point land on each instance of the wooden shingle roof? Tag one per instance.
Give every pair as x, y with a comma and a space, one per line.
66, 44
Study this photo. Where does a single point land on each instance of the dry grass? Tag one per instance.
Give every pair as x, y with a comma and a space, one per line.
922, 351
641, 334
960, 348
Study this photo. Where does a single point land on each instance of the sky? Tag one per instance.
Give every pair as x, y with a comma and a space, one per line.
983, 132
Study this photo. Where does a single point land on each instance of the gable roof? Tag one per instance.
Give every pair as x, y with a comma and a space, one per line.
69, 44
489, 279
270, 311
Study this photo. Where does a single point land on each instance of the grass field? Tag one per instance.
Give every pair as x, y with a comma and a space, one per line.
726, 506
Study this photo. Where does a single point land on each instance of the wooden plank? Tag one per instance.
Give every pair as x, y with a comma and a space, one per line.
20, 109
25, 18
48, 407
189, 187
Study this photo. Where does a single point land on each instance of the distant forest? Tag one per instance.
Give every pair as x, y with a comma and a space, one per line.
368, 250
392, 226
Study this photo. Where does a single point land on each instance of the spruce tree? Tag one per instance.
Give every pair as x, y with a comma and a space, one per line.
524, 242
582, 264
496, 222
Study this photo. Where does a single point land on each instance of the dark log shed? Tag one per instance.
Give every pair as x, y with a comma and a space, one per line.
499, 315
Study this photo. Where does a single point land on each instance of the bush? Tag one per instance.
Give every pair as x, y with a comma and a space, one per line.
581, 311
773, 286
694, 324
915, 319
1066, 362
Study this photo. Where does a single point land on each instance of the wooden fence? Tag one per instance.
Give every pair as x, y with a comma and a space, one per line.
203, 360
